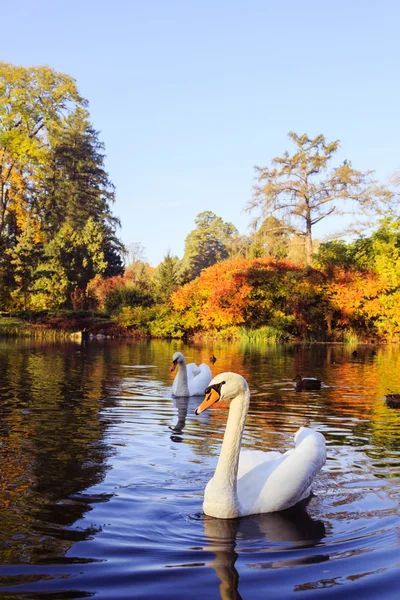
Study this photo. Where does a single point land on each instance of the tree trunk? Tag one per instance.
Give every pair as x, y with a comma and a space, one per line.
308, 242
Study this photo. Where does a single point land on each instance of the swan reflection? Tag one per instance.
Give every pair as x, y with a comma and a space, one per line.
291, 529
181, 404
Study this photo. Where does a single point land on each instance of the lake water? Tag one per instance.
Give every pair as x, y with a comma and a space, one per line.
102, 475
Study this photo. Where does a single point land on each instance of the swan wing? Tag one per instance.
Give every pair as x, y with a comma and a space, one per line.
278, 484
200, 380
249, 459
192, 369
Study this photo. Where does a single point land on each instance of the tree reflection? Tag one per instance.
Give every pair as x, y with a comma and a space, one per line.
51, 444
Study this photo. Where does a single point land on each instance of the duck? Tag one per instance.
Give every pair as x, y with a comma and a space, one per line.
254, 482
393, 400
307, 383
191, 379
213, 359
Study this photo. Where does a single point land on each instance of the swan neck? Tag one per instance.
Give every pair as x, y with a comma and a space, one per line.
182, 387
227, 467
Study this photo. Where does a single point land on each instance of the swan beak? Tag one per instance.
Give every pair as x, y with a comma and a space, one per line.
208, 401
173, 367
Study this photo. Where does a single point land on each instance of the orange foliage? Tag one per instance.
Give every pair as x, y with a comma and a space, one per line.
243, 291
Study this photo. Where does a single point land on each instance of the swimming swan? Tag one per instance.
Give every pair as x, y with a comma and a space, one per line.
191, 380
251, 482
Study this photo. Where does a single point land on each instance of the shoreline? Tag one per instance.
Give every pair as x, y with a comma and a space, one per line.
87, 325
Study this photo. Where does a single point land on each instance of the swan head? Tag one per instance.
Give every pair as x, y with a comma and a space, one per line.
177, 358
226, 387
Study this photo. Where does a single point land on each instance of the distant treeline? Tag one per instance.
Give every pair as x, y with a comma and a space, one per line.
59, 249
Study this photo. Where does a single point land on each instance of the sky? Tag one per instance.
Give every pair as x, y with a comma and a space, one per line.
190, 95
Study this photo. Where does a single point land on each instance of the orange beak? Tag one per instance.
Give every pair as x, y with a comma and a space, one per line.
173, 367
208, 401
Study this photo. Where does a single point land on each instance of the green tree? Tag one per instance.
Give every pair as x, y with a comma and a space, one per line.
25, 258
210, 242
271, 239
72, 259
168, 276
301, 189
73, 185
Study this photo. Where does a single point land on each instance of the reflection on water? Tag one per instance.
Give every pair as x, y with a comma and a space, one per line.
294, 528
102, 473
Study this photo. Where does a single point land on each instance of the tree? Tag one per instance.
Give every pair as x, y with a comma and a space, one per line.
72, 259
208, 243
168, 276
271, 239
302, 190
73, 186
31, 101
25, 257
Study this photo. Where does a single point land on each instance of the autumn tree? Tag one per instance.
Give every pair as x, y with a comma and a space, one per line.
210, 242
302, 189
31, 100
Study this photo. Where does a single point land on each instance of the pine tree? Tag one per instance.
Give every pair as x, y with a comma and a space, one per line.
168, 276
25, 258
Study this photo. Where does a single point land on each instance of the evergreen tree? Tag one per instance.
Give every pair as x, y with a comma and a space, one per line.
25, 258
74, 186
168, 276
210, 242
72, 259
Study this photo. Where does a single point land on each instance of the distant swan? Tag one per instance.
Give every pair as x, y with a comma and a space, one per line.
191, 380
251, 482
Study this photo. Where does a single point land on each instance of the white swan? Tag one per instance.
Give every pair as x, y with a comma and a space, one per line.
251, 482
191, 380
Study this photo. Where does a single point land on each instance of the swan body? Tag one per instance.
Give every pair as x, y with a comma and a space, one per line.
252, 482
191, 380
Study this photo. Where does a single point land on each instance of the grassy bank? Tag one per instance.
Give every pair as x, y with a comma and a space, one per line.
58, 324
80, 324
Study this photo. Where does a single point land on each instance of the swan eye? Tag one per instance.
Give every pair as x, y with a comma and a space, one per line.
216, 387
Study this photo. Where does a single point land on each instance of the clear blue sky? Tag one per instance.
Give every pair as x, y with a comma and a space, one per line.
190, 95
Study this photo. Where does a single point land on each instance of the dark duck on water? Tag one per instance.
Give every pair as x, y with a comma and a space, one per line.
307, 383
392, 400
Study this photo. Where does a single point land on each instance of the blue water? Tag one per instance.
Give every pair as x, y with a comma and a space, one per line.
102, 474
